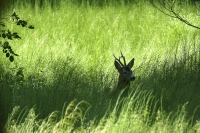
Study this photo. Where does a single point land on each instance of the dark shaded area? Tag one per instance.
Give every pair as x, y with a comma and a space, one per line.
175, 82
3, 4
69, 82
3, 118
56, 3
173, 86
98, 3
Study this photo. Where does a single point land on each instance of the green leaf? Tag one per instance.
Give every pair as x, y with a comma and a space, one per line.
11, 58
7, 54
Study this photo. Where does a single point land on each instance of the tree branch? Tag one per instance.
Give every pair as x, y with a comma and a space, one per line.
170, 8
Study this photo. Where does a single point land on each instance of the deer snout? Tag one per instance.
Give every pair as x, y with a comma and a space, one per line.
132, 78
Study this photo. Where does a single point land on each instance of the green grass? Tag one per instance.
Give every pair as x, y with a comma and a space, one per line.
69, 55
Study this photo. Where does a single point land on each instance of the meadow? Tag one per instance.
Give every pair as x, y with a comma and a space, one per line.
64, 76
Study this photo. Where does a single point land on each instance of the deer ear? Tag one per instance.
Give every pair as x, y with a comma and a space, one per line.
130, 64
118, 66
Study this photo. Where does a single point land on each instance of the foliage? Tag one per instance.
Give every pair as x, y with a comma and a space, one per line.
7, 34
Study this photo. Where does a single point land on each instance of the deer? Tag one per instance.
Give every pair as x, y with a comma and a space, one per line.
125, 72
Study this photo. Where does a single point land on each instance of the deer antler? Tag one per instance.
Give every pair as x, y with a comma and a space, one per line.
122, 56
118, 60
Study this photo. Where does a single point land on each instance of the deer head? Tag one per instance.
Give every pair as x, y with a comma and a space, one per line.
125, 72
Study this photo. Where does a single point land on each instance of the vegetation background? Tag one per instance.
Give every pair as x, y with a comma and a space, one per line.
64, 77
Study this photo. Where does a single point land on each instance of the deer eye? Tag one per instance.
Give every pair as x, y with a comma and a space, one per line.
124, 73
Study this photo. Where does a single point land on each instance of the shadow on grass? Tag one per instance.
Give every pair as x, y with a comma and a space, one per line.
3, 102
55, 4
67, 82
174, 82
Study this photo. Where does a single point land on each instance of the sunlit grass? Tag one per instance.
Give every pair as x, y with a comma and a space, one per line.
69, 55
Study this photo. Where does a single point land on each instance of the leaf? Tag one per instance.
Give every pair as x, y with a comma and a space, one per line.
15, 33
4, 51
18, 23
4, 35
7, 54
17, 37
24, 23
31, 27
5, 44
15, 54
19, 72
2, 24
9, 37
14, 16
9, 31
11, 58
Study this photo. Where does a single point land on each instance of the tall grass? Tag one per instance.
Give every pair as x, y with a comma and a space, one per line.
69, 56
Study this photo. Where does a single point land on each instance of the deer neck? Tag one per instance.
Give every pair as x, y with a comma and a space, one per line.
122, 82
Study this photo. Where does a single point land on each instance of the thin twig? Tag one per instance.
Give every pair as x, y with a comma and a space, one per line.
176, 15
